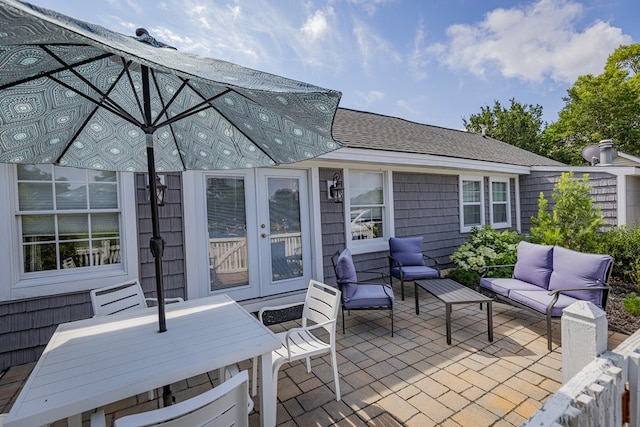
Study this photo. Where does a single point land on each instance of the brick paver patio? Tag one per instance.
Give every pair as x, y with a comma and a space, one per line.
412, 379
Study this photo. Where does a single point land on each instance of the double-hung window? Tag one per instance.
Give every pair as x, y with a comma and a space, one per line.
500, 209
367, 210
471, 203
67, 218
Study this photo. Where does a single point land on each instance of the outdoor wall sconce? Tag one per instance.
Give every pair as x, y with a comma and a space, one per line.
161, 190
336, 189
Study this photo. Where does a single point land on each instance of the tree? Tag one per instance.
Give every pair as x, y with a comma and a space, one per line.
574, 222
520, 125
600, 107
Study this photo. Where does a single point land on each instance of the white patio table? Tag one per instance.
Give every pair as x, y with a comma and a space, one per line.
94, 362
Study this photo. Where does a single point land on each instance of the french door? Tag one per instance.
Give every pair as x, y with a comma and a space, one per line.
258, 232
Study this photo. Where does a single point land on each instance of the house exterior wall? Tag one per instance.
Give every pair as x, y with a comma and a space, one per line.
604, 192
26, 326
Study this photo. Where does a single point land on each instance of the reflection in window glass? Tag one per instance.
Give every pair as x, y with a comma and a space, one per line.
471, 203
226, 223
60, 228
499, 202
366, 202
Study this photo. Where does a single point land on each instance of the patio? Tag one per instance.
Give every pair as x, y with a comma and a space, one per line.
412, 379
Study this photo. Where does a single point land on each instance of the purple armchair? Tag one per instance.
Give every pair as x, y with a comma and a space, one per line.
360, 295
407, 261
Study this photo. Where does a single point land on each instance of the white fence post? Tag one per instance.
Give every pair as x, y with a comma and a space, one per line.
584, 336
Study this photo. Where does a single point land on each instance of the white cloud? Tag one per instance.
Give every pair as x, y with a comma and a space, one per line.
371, 96
374, 49
531, 43
418, 59
370, 6
316, 27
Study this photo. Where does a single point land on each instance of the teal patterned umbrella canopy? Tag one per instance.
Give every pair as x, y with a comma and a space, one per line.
76, 94
71, 93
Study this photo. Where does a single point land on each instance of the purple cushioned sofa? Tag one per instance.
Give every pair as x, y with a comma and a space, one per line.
547, 279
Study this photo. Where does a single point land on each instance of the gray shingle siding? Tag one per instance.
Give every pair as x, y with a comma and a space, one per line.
603, 191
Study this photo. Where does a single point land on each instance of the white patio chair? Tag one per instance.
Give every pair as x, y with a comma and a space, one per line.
121, 297
224, 405
320, 310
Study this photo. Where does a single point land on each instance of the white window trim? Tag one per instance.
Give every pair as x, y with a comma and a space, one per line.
380, 243
464, 228
506, 224
54, 283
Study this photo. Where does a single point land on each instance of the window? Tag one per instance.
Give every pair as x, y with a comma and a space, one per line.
471, 203
500, 206
367, 214
67, 218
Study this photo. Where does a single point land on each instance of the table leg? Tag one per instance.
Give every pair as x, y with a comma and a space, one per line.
415, 286
268, 392
448, 321
490, 321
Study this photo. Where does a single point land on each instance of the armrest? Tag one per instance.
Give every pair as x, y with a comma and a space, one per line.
556, 293
276, 308
392, 260
486, 268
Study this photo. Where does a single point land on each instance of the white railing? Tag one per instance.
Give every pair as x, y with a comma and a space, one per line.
605, 392
229, 254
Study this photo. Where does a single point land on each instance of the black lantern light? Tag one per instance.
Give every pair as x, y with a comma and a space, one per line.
336, 190
161, 191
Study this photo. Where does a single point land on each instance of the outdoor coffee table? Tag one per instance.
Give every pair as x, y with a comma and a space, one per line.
451, 292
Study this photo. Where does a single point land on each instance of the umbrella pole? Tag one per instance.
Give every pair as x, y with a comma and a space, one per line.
156, 244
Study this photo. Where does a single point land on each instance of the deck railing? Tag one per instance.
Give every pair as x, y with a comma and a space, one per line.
229, 254
605, 392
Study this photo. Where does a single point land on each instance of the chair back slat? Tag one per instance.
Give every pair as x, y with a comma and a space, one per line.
321, 304
223, 406
117, 298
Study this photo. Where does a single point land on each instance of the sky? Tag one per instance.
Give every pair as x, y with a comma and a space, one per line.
429, 61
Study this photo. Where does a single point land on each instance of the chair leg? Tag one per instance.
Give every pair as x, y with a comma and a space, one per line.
342, 320
549, 332
402, 288
334, 364
308, 365
391, 314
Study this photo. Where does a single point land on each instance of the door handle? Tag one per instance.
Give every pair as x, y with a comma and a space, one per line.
263, 235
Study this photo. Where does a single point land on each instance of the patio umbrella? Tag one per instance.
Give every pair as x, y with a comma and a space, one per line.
76, 94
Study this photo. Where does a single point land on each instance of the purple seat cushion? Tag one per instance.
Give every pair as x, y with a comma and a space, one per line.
573, 269
539, 300
407, 250
416, 272
346, 275
370, 296
504, 286
534, 265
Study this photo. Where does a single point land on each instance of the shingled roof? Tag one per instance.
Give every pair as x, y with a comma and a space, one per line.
359, 129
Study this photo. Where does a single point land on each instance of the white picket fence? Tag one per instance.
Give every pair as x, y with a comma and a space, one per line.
604, 393
229, 254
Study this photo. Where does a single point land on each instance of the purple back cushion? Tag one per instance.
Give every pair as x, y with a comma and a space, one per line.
407, 250
573, 269
346, 272
535, 263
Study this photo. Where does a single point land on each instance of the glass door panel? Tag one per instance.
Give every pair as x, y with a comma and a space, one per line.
227, 225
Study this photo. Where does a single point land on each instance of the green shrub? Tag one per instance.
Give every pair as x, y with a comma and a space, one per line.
466, 277
575, 222
486, 246
623, 244
632, 304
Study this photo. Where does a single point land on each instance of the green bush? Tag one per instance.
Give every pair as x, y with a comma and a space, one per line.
466, 277
486, 246
623, 244
575, 222
632, 304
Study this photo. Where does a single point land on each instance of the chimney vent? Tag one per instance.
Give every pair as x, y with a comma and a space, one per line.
606, 151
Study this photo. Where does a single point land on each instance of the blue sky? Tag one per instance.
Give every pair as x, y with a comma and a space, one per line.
429, 61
